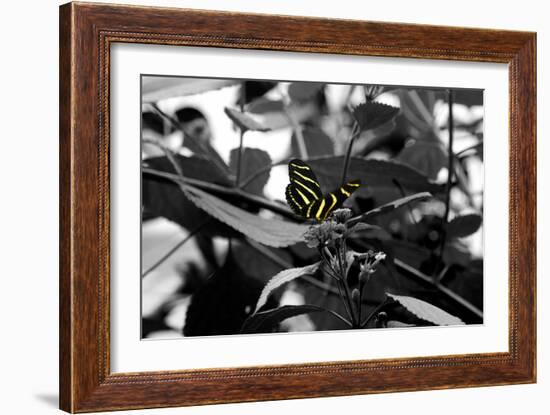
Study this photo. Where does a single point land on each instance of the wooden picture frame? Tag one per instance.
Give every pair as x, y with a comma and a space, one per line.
86, 33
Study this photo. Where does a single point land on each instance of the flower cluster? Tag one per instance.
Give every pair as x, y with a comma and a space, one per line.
332, 229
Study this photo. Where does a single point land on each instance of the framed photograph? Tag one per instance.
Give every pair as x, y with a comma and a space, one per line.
260, 207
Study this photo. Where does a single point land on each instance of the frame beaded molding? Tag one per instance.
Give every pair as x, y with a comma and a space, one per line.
107, 37
87, 30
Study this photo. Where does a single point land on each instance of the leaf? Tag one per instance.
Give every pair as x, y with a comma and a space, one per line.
281, 278
264, 105
394, 324
267, 320
303, 91
157, 88
199, 146
388, 207
223, 303
426, 311
464, 225
256, 89
193, 167
272, 232
164, 198
275, 115
328, 301
457, 253
372, 114
376, 175
316, 141
429, 157
417, 108
260, 265
369, 231
252, 160
245, 121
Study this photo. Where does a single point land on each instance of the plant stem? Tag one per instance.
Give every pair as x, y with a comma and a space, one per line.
344, 301
175, 248
374, 312
240, 150
302, 149
335, 314
440, 287
338, 278
403, 194
343, 279
354, 134
285, 265
443, 234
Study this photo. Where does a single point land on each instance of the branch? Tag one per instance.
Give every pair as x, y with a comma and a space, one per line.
441, 288
240, 151
214, 188
175, 248
450, 168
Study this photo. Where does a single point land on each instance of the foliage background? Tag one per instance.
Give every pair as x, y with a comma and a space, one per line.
400, 140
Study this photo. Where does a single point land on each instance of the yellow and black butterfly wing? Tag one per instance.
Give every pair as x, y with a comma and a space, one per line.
334, 200
304, 195
304, 189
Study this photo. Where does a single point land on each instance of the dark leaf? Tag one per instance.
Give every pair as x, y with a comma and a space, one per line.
261, 267
467, 282
376, 175
224, 302
457, 253
464, 225
256, 89
164, 198
252, 160
327, 300
267, 321
468, 97
316, 141
408, 252
245, 121
194, 167
303, 91
428, 157
368, 231
373, 114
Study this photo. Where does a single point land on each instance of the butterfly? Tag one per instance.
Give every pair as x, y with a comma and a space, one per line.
304, 195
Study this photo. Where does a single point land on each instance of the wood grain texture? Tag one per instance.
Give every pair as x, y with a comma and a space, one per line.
86, 33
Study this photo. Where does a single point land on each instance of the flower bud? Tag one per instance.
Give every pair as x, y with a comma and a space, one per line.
355, 296
341, 215
368, 267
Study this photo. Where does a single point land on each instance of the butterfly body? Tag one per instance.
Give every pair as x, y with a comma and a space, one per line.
305, 197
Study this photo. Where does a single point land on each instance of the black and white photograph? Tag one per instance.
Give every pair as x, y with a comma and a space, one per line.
281, 206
